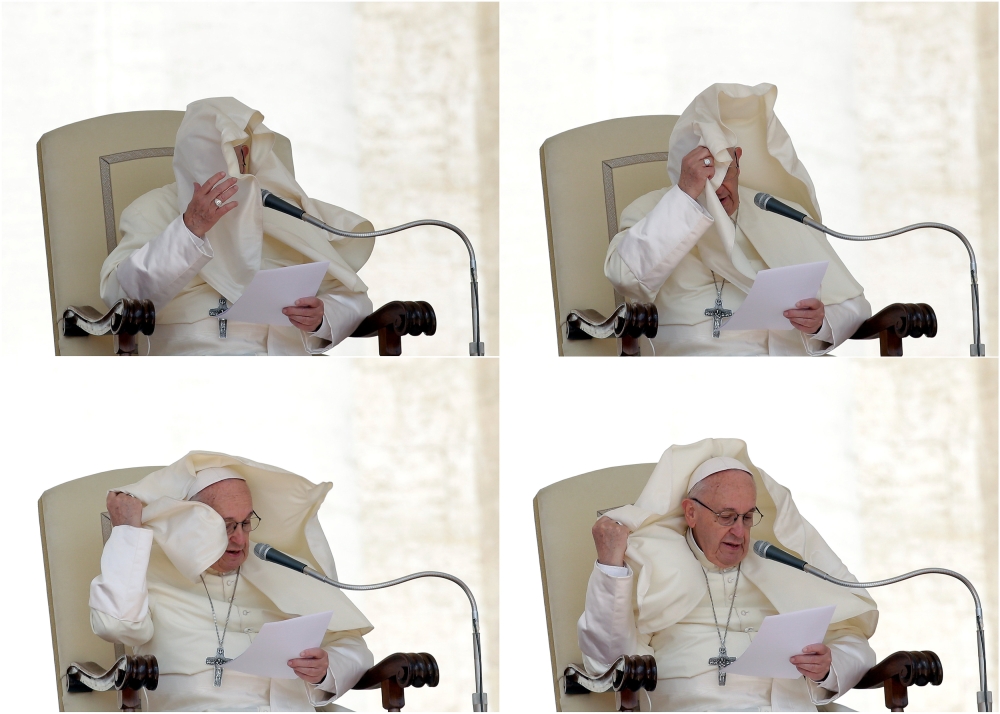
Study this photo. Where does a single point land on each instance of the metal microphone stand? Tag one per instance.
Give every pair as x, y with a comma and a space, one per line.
984, 698
977, 348
479, 697
476, 347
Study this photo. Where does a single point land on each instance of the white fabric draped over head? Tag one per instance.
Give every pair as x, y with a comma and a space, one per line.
193, 536
206, 141
669, 581
730, 115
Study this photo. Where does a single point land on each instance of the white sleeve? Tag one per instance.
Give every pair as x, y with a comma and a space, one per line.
119, 601
160, 269
842, 320
641, 258
343, 311
606, 629
350, 658
852, 657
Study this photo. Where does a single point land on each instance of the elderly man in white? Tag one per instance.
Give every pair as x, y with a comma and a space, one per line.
176, 583
673, 579
192, 248
700, 243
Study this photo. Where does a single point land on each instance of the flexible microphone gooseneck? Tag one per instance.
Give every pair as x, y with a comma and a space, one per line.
984, 698
266, 552
476, 348
767, 202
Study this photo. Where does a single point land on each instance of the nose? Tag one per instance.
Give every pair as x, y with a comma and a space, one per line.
239, 539
738, 529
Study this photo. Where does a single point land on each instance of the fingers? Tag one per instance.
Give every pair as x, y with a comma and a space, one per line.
302, 311
810, 304
221, 188
207, 186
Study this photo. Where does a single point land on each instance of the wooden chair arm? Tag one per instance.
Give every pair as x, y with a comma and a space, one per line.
626, 676
900, 670
629, 322
129, 675
398, 671
893, 323
124, 320
395, 319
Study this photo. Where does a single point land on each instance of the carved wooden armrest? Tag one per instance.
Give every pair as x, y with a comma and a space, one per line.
895, 322
129, 675
395, 319
900, 670
124, 320
398, 671
626, 676
629, 321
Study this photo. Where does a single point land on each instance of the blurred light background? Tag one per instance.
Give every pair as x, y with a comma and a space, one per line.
892, 108
894, 462
392, 111
410, 446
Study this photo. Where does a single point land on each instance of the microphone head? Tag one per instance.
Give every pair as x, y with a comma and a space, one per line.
264, 193
260, 550
761, 546
761, 199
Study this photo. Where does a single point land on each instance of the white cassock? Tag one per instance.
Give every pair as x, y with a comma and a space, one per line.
166, 270
655, 258
686, 682
170, 618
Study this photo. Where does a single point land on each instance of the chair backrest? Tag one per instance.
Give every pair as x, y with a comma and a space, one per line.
89, 172
72, 541
589, 176
564, 515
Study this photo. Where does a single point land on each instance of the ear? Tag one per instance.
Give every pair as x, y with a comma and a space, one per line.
689, 507
739, 153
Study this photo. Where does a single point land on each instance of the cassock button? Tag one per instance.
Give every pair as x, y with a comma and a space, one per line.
749, 629
730, 580
246, 612
229, 582
743, 612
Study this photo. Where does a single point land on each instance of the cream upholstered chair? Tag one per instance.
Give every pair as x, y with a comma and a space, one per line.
89, 172
589, 176
74, 529
564, 515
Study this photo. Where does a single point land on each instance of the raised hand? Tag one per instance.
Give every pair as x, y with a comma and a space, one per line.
611, 539
203, 212
694, 172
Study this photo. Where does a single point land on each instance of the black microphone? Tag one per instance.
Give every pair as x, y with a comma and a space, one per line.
280, 204
767, 202
773, 552
267, 552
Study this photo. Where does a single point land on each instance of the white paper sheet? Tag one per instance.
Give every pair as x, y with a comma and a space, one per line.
279, 642
271, 290
775, 291
781, 637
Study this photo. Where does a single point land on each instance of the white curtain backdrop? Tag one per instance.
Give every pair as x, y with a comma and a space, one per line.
391, 110
891, 107
895, 465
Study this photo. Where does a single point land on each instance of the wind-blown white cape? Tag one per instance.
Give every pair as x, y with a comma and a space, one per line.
669, 579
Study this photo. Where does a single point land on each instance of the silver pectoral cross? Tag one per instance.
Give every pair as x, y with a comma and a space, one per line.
722, 661
223, 306
717, 313
217, 661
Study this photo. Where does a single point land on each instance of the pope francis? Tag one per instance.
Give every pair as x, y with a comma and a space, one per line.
695, 248
673, 578
176, 583
193, 246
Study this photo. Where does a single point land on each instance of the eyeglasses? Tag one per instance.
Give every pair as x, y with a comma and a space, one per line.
728, 517
248, 525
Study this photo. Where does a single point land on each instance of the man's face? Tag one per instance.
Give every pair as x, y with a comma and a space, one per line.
724, 491
728, 192
231, 499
